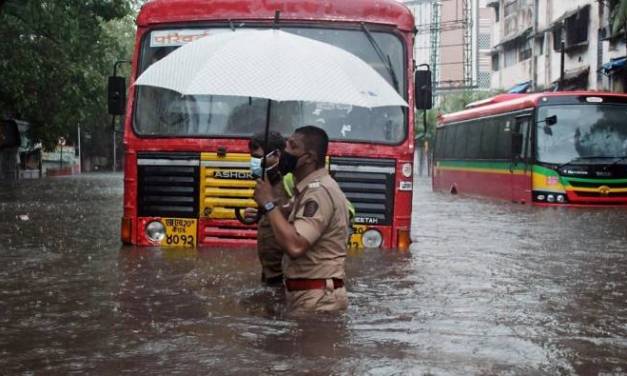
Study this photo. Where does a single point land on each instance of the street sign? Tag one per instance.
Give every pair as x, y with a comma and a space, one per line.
61, 141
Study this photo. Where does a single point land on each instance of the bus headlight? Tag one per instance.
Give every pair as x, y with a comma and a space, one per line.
372, 239
550, 198
155, 231
561, 198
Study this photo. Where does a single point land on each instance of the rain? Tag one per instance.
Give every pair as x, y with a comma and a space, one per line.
487, 287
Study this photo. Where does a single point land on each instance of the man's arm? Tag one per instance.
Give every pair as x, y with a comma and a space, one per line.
286, 235
284, 232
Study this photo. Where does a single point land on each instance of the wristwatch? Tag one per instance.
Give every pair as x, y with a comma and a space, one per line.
268, 206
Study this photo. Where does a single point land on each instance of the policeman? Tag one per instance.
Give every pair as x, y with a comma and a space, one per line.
314, 237
269, 252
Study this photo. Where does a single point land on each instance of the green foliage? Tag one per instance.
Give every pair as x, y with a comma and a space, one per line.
447, 104
55, 56
619, 16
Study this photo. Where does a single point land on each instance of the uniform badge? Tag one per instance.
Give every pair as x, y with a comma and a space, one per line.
311, 207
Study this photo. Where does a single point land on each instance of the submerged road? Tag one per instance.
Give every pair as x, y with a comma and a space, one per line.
487, 288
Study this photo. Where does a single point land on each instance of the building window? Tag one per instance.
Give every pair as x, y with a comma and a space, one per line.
577, 27
510, 56
557, 39
495, 62
524, 51
484, 41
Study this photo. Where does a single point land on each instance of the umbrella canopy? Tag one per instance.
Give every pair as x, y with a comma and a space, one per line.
274, 65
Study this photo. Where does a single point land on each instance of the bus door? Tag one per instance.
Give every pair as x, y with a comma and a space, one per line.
520, 173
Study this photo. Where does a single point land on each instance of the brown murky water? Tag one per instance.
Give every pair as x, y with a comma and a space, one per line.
488, 288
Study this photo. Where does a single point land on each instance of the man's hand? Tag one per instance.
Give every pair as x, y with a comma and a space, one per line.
263, 192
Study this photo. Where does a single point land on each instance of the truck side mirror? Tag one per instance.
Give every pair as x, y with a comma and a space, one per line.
116, 95
423, 89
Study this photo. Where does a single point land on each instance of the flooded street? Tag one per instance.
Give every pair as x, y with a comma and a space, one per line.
487, 288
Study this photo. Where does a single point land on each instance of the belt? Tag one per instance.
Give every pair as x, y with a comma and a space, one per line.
297, 284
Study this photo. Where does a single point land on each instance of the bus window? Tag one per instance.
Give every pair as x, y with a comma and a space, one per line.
460, 141
449, 146
503, 147
489, 132
473, 144
437, 150
160, 112
522, 127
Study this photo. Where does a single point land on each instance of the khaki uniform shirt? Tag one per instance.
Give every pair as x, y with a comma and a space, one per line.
269, 252
319, 215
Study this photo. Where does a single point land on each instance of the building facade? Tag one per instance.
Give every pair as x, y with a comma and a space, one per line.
453, 37
555, 45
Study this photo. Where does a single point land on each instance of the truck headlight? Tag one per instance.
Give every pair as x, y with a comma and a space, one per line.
372, 239
155, 231
406, 170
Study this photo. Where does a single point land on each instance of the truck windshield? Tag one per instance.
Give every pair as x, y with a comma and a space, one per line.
160, 112
582, 133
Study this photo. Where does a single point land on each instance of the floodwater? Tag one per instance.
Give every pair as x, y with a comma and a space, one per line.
487, 288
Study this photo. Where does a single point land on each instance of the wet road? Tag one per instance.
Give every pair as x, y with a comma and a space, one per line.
488, 288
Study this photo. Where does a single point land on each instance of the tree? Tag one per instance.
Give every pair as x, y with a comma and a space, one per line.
55, 56
619, 18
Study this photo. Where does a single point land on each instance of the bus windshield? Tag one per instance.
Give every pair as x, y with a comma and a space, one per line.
581, 133
160, 112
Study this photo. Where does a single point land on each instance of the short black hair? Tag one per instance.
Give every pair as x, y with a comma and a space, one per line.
275, 141
316, 140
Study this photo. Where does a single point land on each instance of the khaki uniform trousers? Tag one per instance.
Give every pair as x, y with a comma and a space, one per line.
317, 300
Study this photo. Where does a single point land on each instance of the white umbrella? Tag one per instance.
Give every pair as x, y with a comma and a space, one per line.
271, 64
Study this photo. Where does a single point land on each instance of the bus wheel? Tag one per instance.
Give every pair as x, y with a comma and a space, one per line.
453, 190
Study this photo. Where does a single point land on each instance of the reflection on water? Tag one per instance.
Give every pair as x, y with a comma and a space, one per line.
487, 288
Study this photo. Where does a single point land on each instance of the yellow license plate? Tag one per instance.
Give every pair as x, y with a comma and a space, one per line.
355, 238
179, 232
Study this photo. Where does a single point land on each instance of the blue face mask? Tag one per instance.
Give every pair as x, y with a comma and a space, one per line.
255, 165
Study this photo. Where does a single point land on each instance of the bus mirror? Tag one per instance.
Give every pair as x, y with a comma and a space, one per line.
422, 89
117, 95
9, 135
517, 144
550, 120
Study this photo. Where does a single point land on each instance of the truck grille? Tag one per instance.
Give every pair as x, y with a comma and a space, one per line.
226, 185
369, 185
581, 184
168, 184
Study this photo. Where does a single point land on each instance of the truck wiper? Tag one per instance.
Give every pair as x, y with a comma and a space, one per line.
588, 157
385, 59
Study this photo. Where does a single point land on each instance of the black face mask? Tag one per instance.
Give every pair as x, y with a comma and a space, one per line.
288, 162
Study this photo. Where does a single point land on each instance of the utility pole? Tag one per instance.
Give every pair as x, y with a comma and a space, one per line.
562, 58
